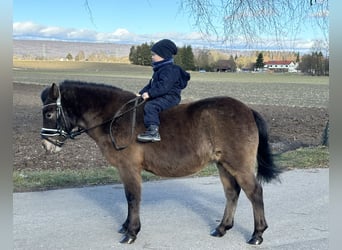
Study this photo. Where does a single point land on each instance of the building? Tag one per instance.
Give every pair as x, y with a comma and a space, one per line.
281, 66
225, 66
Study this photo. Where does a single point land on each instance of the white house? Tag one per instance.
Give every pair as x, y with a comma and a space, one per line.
281, 66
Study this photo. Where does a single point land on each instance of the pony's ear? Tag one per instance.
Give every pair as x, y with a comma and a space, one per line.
50, 93
54, 92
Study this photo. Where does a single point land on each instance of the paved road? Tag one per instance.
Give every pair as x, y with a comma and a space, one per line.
175, 214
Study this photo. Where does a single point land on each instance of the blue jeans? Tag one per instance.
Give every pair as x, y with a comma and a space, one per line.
154, 106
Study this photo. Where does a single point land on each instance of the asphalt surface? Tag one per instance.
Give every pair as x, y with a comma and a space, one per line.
175, 214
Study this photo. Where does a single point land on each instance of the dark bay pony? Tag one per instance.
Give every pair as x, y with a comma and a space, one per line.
219, 129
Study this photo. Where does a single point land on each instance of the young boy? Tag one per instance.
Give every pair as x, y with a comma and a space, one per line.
164, 89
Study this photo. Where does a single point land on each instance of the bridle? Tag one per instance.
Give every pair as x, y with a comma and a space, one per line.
63, 130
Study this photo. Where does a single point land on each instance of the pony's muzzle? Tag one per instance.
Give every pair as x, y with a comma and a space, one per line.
50, 147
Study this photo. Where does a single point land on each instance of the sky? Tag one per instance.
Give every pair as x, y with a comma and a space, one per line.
121, 21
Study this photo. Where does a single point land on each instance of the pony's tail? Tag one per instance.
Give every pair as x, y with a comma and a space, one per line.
267, 170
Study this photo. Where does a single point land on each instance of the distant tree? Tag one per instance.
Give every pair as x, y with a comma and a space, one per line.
69, 57
259, 64
202, 60
319, 61
189, 59
297, 58
141, 54
314, 64
80, 56
145, 54
185, 58
305, 65
98, 56
133, 55
232, 63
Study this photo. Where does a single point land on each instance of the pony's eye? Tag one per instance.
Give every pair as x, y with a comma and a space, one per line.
48, 115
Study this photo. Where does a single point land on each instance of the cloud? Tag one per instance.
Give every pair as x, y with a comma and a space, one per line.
30, 30
24, 28
36, 31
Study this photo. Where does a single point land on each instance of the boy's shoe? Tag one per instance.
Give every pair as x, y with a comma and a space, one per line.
150, 135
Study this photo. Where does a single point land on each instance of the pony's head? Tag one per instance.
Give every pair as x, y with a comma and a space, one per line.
56, 127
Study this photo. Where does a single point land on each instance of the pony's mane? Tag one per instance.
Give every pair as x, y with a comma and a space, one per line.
100, 89
91, 85
94, 94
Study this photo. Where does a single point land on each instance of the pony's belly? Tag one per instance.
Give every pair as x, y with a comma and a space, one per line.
179, 170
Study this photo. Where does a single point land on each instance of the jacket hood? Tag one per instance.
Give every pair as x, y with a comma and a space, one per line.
184, 77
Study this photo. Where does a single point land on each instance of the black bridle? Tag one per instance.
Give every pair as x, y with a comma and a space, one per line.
63, 131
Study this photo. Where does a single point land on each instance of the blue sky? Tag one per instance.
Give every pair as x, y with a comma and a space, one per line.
125, 21
144, 20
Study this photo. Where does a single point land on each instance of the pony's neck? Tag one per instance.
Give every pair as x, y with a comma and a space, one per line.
93, 104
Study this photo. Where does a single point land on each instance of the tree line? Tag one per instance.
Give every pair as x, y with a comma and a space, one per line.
314, 64
141, 55
208, 60
185, 57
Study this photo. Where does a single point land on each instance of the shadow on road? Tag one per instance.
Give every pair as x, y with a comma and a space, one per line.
171, 198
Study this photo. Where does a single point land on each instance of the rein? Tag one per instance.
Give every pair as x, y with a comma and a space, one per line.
46, 133
120, 113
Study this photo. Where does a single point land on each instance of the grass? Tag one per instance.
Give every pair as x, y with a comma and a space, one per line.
303, 158
36, 180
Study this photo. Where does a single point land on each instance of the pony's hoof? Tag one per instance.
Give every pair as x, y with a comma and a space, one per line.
255, 240
216, 233
126, 239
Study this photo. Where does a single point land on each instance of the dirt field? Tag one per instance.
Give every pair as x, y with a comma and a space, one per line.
289, 128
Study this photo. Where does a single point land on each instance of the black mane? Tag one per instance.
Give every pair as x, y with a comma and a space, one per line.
102, 86
93, 95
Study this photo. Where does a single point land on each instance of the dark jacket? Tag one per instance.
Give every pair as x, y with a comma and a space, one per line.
167, 79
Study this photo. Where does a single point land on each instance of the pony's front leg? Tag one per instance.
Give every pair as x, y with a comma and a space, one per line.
132, 185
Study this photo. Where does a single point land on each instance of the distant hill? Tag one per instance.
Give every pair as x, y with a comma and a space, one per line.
116, 52
56, 50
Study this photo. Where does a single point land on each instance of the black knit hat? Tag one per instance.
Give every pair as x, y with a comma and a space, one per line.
164, 48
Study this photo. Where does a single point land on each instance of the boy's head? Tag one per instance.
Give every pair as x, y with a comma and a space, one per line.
164, 48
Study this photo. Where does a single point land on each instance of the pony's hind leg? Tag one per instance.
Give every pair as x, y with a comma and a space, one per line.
253, 190
232, 192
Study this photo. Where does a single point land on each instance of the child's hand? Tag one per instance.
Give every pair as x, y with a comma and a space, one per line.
145, 96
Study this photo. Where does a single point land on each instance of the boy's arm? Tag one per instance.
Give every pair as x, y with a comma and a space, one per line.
146, 88
163, 85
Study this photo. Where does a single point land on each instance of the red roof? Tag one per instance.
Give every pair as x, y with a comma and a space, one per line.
278, 62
